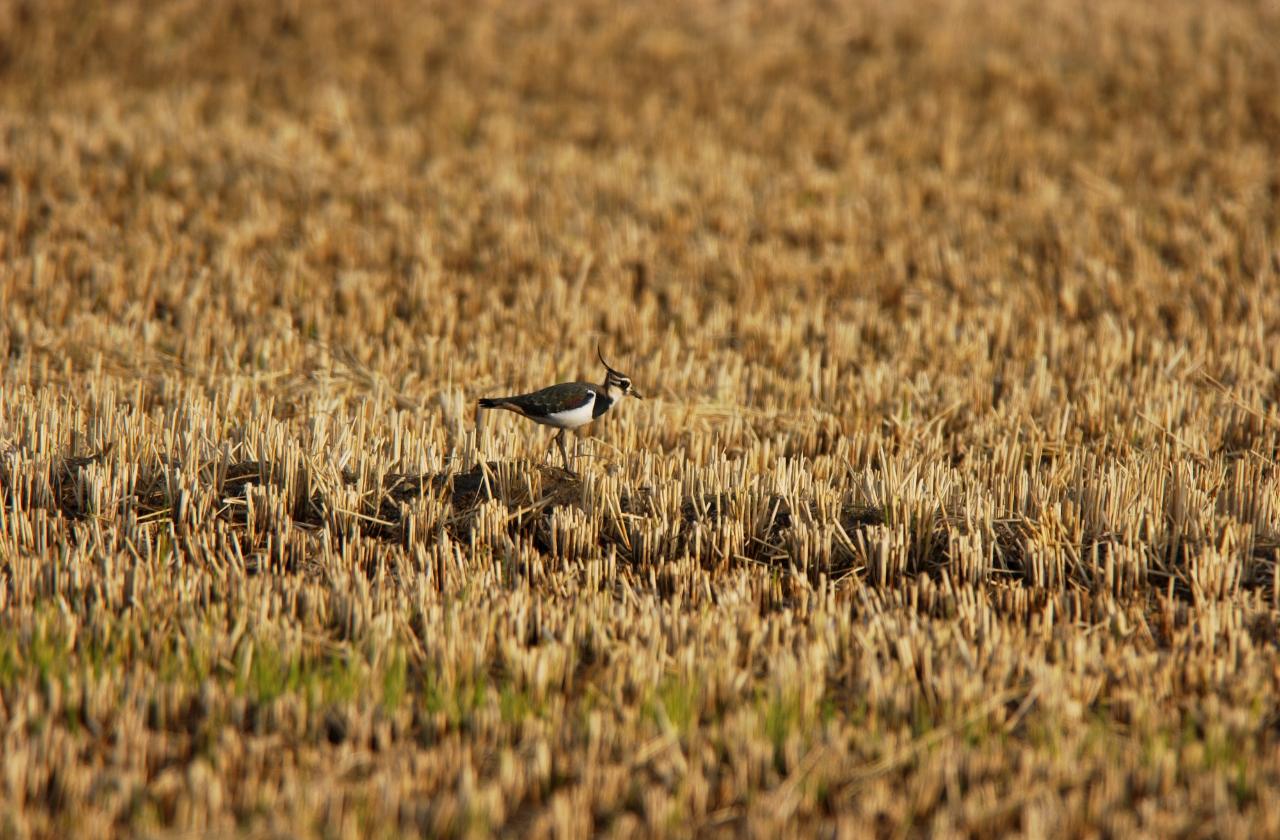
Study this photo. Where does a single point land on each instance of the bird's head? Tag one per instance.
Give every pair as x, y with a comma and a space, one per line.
617, 384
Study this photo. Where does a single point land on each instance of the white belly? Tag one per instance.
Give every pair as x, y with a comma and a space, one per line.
571, 419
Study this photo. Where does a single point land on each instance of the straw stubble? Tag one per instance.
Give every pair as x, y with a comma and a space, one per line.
952, 507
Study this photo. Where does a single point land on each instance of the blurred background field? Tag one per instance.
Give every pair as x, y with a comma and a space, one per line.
953, 506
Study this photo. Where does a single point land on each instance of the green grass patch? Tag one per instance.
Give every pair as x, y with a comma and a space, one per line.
323, 680
680, 702
459, 700
395, 680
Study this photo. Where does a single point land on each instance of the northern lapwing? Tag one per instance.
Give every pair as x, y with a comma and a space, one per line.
569, 405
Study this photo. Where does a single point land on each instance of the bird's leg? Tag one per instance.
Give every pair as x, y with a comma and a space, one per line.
564, 453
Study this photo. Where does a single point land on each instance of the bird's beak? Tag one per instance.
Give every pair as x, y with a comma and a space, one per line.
635, 394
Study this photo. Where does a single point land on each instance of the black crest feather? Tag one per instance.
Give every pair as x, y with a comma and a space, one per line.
607, 366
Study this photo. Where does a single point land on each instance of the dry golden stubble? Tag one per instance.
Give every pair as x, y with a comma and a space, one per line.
953, 506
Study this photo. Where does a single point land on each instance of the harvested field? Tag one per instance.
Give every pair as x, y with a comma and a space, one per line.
953, 507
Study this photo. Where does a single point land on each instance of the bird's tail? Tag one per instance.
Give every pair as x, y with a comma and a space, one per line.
490, 402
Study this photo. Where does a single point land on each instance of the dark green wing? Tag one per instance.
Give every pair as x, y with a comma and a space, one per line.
553, 400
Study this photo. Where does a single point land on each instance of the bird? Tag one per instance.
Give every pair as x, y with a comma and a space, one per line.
569, 405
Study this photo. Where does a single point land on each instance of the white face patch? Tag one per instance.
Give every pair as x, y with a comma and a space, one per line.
615, 392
